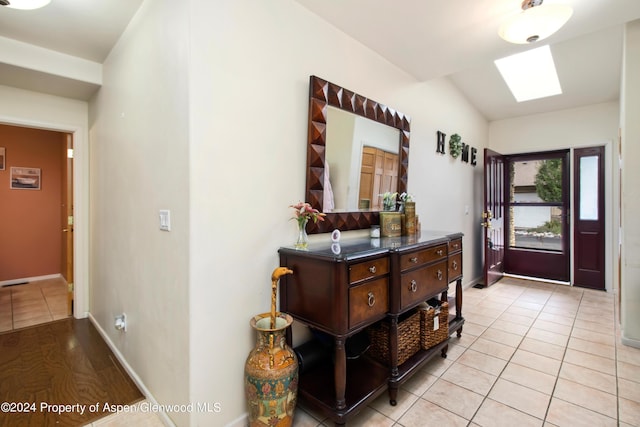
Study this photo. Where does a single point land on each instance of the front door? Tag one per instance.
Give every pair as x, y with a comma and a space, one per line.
589, 245
537, 207
493, 217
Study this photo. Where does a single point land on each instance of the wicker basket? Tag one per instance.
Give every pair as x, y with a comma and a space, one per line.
408, 338
428, 336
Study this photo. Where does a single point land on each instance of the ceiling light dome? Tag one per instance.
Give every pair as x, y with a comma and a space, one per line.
535, 22
26, 4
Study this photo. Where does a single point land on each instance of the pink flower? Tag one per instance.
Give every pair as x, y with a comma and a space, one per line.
304, 212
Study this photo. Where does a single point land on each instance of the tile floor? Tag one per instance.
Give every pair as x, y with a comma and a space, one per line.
531, 354
140, 417
33, 303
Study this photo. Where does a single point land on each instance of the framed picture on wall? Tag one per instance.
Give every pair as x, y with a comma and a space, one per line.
25, 178
2, 158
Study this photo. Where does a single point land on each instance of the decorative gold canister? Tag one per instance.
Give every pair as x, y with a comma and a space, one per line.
390, 224
410, 218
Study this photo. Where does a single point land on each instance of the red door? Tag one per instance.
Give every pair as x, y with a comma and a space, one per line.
493, 216
589, 257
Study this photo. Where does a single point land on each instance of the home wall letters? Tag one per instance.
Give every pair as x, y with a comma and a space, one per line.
469, 154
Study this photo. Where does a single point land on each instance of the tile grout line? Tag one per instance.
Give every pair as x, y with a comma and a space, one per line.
45, 301
564, 353
566, 347
508, 361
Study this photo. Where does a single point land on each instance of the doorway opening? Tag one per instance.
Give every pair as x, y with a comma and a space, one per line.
527, 219
37, 255
536, 215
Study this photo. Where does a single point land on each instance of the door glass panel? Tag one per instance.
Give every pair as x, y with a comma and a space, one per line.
589, 188
537, 227
537, 181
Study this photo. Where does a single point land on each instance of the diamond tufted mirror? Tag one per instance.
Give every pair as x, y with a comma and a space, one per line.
324, 95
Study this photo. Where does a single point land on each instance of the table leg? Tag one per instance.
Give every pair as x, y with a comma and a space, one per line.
340, 373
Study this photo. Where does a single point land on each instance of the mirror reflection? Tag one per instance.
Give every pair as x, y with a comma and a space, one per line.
352, 191
361, 162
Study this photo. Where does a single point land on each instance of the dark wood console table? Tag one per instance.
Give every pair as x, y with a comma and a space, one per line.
341, 289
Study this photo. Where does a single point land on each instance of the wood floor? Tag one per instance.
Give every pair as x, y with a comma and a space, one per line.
64, 362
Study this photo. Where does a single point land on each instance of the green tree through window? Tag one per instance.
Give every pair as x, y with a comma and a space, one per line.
548, 180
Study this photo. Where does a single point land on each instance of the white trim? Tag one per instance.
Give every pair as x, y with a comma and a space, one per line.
537, 279
241, 421
29, 279
134, 376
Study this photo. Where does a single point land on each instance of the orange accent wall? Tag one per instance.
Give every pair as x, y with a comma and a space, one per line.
30, 221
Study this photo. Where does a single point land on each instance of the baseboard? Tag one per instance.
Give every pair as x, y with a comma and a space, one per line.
242, 421
629, 342
471, 283
28, 279
134, 376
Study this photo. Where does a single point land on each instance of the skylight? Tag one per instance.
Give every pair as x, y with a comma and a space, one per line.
531, 74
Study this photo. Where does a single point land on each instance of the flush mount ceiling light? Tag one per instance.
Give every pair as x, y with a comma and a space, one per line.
25, 4
535, 22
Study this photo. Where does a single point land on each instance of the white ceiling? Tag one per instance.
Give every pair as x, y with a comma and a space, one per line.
84, 28
425, 38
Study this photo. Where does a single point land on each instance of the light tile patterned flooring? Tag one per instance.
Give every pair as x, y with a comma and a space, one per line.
33, 303
531, 354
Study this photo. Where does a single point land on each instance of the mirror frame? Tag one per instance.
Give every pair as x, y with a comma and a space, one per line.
322, 94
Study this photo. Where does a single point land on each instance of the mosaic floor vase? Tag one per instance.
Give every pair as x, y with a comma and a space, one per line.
271, 374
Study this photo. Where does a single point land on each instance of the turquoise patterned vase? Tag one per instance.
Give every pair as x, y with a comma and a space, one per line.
271, 374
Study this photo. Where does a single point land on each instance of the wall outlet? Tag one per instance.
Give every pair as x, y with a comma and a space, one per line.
121, 322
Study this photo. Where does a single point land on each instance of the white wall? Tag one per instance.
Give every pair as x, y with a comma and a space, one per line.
630, 130
24, 108
590, 126
139, 165
250, 66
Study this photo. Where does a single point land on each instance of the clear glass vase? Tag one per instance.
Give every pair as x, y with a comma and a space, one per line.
303, 239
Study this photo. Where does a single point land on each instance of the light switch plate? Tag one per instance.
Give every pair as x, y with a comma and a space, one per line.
165, 220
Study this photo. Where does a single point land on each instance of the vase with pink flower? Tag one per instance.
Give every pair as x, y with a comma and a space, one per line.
303, 213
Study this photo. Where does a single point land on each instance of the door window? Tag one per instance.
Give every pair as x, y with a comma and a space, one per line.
536, 203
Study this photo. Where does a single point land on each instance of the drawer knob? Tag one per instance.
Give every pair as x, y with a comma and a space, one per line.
456, 245
371, 299
455, 265
414, 260
413, 287
372, 269
439, 275
440, 252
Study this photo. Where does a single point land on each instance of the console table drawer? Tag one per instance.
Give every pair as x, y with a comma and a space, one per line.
455, 246
368, 302
415, 259
422, 284
368, 270
455, 266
